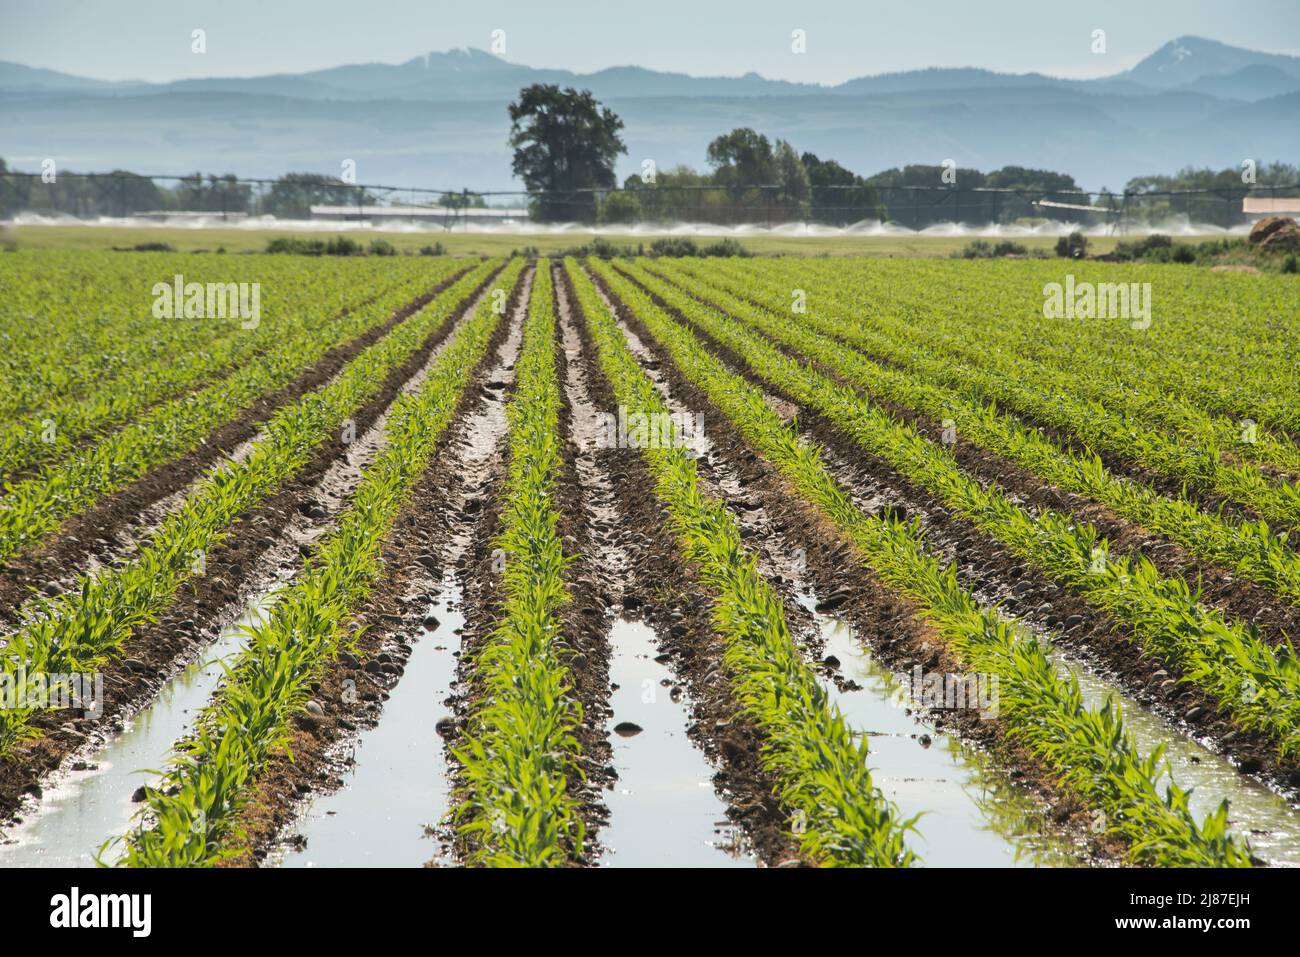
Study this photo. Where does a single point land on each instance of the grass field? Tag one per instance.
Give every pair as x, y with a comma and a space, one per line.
852, 561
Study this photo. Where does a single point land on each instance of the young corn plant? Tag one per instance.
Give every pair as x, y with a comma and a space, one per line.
1256, 685
1249, 548
1089, 751
519, 756
187, 819
1103, 417
34, 507
207, 352
79, 630
1195, 388
821, 770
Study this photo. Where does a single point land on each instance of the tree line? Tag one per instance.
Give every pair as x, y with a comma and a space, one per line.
566, 145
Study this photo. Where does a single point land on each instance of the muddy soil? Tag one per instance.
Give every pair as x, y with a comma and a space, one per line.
1118, 465
199, 609
888, 622
997, 576
109, 527
483, 599
1239, 598
430, 540
91, 438
671, 599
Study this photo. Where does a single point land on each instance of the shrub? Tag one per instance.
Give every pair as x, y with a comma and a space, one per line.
338, 246
725, 247
975, 249
620, 207
670, 247
1074, 246
674, 246
1154, 247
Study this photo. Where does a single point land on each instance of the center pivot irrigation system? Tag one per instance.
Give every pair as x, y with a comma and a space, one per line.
912, 206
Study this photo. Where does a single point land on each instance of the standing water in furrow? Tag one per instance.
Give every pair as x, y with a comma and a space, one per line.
1255, 813
663, 808
93, 801
972, 813
369, 822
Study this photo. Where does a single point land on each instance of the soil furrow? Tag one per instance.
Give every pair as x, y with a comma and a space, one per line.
1206, 499
429, 539
668, 596
596, 576
193, 619
89, 439
884, 620
109, 528
606, 589
1238, 597
995, 576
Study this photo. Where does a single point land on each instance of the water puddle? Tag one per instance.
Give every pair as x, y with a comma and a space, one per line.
663, 811
664, 784
974, 815
397, 784
81, 809
1254, 812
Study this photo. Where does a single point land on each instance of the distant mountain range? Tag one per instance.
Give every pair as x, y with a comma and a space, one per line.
440, 119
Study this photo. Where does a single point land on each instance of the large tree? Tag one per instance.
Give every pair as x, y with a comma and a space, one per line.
794, 188
839, 196
215, 194
1220, 201
565, 146
742, 159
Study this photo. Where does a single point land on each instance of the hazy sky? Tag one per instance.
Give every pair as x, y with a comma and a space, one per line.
150, 39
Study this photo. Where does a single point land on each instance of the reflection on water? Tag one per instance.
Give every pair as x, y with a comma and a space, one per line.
972, 814
398, 784
1254, 812
83, 809
663, 811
